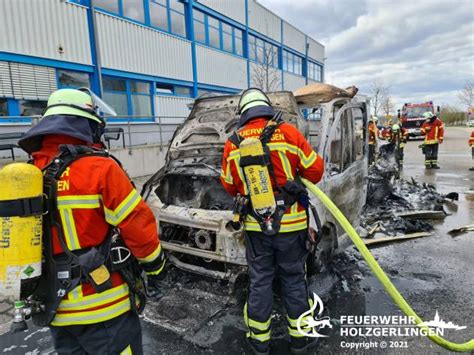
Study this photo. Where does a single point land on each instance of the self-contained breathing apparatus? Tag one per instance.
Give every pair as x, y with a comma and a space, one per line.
62, 273
261, 202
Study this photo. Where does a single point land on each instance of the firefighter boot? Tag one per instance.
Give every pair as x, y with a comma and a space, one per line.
300, 345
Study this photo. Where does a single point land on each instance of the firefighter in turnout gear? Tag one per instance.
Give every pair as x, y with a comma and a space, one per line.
471, 143
100, 233
433, 130
267, 155
398, 136
373, 134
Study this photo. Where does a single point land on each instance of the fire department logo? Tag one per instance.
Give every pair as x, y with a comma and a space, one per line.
310, 322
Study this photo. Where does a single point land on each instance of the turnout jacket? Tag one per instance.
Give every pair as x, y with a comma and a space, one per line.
94, 193
471, 140
373, 133
433, 131
291, 156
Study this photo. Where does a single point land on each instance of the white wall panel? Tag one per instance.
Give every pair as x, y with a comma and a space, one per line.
235, 9
293, 82
316, 50
264, 21
258, 76
218, 68
294, 38
130, 47
40, 27
172, 109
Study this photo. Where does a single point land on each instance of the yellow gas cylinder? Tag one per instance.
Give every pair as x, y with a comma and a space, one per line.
20, 237
258, 178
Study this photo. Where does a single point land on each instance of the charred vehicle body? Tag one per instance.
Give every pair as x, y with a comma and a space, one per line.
195, 212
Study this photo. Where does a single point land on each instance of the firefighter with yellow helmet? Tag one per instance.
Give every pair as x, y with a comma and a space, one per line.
99, 235
261, 164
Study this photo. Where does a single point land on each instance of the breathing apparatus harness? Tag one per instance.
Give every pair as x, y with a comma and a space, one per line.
285, 197
64, 272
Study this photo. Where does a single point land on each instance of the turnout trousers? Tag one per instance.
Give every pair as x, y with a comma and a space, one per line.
121, 335
431, 154
282, 256
372, 149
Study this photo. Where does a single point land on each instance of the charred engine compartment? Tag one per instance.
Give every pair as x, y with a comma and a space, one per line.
193, 191
192, 237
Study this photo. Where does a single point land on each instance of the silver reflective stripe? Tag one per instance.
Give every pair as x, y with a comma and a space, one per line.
117, 216
87, 201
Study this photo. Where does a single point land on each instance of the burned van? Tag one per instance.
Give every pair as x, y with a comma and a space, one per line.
193, 209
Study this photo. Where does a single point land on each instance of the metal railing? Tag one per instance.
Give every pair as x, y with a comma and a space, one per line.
139, 130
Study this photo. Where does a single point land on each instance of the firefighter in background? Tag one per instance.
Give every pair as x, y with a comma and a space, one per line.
398, 136
373, 134
433, 130
94, 195
288, 156
471, 143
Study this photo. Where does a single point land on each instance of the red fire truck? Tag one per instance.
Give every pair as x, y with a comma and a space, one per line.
411, 116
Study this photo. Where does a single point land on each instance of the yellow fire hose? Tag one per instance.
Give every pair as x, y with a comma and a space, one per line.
380, 274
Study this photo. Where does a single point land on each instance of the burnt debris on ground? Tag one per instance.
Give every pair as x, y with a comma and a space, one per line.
389, 197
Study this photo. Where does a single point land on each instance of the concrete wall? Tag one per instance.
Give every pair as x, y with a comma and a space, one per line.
134, 48
142, 161
40, 27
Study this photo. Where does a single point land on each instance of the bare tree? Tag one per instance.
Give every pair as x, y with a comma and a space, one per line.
379, 93
466, 96
387, 105
264, 74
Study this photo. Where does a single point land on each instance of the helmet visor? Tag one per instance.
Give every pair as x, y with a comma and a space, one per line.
101, 108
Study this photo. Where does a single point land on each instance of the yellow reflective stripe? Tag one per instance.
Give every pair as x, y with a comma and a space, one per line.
294, 333
288, 217
114, 217
285, 163
79, 201
309, 160
283, 229
69, 228
76, 293
294, 209
227, 176
127, 351
260, 325
152, 256
90, 317
94, 300
263, 337
157, 272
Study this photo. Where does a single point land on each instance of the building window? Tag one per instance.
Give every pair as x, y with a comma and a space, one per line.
263, 52
32, 107
218, 34
73, 79
3, 107
129, 98
168, 15
315, 71
199, 27
108, 5
176, 90
133, 9
292, 63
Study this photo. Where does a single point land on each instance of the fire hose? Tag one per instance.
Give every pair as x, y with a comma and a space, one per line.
381, 275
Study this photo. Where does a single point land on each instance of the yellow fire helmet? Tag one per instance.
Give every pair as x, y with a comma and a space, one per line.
253, 97
78, 102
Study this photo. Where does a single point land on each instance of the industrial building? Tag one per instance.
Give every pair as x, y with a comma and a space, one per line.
148, 58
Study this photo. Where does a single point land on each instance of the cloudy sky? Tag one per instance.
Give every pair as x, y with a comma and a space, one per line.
422, 49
